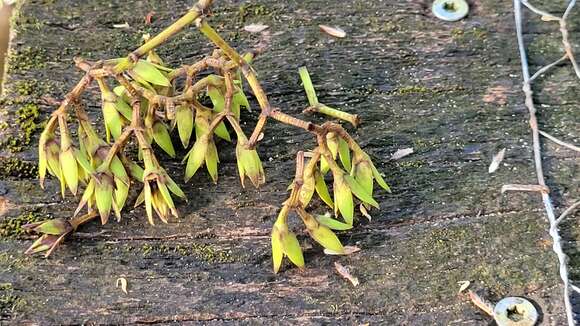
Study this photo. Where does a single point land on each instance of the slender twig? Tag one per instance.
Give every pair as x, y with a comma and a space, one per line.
194, 13
516, 187
529, 102
548, 67
568, 211
481, 303
559, 142
540, 12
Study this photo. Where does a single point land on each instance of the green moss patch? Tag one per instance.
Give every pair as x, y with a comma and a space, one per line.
26, 118
204, 252
10, 303
11, 227
14, 167
26, 58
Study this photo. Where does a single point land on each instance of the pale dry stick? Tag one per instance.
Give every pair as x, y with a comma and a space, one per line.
559, 142
568, 211
548, 67
529, 102
540, 12
480, 302
518, 187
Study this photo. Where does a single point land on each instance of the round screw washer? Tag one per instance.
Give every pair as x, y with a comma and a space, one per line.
515, 311
450, 10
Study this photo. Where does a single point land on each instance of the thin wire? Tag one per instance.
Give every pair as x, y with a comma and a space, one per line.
529, 102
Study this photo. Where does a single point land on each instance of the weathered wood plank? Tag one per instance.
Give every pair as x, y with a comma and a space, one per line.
416, 81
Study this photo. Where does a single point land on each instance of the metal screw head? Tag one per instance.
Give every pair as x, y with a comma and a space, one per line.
514, 311
450, 10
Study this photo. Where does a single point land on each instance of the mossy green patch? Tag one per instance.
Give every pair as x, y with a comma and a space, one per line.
411, 164
544, 44
379, 25
474, 33
10, 262
26, 58
10, 303
442, 247
414, 89
26, 23
204, 252
11, 227
25, 87
421, 89
420, 144
250, 10
15, 167
26, 119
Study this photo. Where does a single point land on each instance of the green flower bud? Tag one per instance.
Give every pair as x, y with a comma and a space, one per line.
56, 226
343, 201
184, 118
249, 163
104, 185
162, 138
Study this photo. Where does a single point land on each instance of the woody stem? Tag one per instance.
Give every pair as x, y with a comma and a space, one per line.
193, 14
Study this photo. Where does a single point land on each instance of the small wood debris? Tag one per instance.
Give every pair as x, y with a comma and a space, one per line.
496, 161
548, 18
343, 271
124, 25
149, 18
516, 187
255, 28
463, 285
364, 212
121, 281
399, 154
348, 250
481, 303
333, 31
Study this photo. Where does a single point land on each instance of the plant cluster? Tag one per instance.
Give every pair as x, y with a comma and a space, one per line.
143, 99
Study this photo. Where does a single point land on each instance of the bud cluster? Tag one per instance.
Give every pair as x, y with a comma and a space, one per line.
143, 101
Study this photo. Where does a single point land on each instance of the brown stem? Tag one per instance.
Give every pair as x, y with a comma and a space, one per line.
325, 151
194, 13
229, 91
77, 221
332, 112
118, 145
290, 120
228, 102
136, 123
338, 129
257, 133
216, 121
248, 73
294, 200
71, 97
135, 102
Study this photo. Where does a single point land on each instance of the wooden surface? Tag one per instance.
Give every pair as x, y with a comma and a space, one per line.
451, 91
